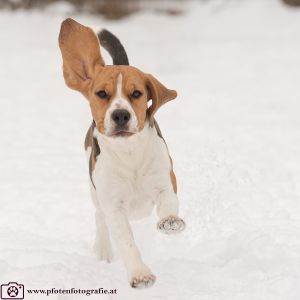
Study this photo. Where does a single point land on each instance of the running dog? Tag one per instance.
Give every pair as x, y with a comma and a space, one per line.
130, 168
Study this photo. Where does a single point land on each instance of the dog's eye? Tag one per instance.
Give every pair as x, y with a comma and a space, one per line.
136, 94
102, 94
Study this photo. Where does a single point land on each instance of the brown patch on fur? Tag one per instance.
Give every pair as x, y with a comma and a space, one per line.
158, 131
80, 49
89, 137
105, 79
159, 95
172, 174
91, 141
173, 177
134, 79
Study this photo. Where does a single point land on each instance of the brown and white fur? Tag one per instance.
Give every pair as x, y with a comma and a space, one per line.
130, 167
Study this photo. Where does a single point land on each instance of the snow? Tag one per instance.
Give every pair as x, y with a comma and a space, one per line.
233, 133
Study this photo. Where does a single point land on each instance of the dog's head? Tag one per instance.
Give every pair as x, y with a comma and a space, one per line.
117, 95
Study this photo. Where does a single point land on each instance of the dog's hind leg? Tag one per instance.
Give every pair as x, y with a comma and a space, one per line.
167, 211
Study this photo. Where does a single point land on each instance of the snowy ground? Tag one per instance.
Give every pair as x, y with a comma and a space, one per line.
234, 134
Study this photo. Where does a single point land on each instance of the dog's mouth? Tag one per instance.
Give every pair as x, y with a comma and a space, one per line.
122, 133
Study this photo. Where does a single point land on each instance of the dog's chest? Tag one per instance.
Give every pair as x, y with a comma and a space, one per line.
134, 176
146, 183
141, 190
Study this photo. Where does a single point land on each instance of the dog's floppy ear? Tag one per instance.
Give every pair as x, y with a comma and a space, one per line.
80, 50
159, 95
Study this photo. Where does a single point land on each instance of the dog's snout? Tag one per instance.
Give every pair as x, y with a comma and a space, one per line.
121, 117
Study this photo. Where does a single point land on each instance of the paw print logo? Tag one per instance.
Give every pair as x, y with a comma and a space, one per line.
12, 291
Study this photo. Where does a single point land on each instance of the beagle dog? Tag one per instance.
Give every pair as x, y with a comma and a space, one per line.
131, 170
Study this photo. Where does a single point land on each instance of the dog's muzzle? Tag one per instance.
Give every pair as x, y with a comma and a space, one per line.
121, 118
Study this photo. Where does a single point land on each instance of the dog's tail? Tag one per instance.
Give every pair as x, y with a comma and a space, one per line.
114, 47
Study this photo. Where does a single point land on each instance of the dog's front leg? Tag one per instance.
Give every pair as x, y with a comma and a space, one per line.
102, 245
139, 275
167, 211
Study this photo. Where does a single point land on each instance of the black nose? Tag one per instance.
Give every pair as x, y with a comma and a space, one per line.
121, 117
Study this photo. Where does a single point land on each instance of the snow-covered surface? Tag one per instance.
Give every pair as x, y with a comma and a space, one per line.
233, 132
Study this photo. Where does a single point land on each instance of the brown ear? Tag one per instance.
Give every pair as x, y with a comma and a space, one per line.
159, 95
80, 51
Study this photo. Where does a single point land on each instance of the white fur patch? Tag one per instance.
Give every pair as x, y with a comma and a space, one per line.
119, 102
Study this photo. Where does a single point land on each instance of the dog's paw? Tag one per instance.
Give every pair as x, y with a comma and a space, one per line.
171, 225
103, 252
142, 278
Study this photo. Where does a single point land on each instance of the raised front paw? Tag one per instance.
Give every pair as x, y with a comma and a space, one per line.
142, 278
171, 225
